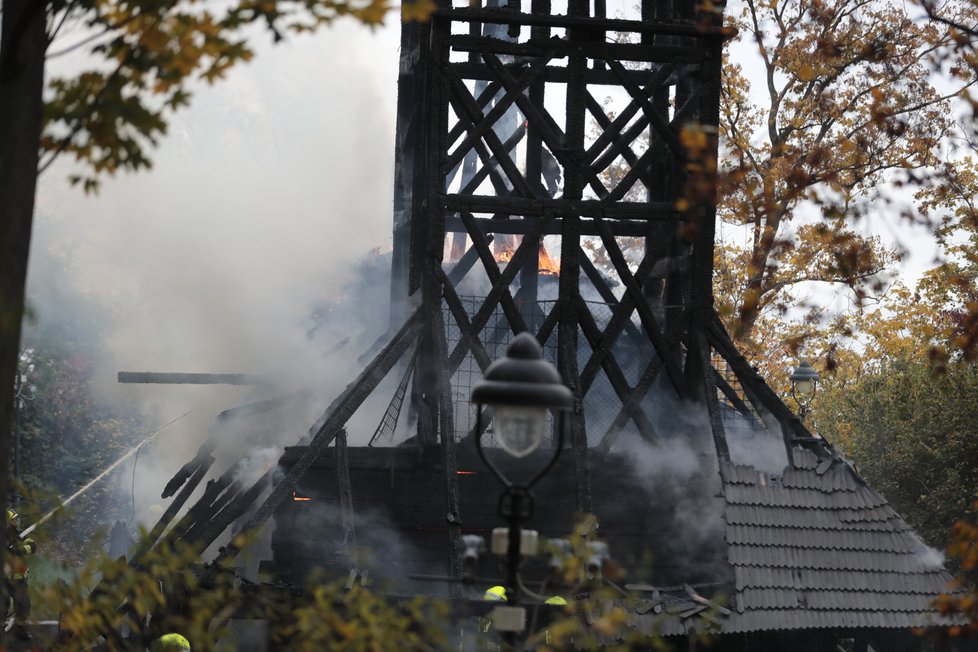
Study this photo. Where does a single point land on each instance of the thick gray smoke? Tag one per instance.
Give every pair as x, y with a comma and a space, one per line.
264, 198
679, 473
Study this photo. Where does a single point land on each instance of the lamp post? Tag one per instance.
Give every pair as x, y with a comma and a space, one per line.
520, 388
804, 380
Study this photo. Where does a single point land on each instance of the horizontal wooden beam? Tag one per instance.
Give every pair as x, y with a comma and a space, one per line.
590, 49
163, 378
752, 382
454, 224
591, 24
644, 211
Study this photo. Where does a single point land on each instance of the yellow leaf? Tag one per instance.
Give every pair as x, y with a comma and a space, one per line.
806, 73
419, 10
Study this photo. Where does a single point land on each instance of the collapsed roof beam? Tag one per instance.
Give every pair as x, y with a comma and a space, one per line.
158, 378
792, 428
330, 424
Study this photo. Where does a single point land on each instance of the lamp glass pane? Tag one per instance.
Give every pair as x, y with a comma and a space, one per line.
519, 430
805, 388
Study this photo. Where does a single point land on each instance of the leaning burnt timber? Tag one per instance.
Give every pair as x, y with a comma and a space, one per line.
494, 146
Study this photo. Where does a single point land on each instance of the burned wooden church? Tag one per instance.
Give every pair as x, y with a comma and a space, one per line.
554, 175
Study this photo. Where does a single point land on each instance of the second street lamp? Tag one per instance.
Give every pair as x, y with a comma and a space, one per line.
804, 379
520, 389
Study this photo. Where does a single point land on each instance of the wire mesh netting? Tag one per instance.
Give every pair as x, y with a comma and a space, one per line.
632, 352
495, 336
728, 411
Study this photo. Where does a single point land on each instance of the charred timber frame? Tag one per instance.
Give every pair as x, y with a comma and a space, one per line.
465, 74
462, 74
465, 71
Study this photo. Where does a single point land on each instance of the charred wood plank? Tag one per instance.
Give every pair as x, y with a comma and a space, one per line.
592, 24
172, 509
453, 498
490, 162
498, 293
203, 458
649, 322
642, 169
702, 349
613, 370
333, 419
467, 260
620, 143
543, 124
600, 284
644, 211
510, 225
206, 517
612, 129
345, 491
204, 508
164, 378
631, 404
482, 126
561, 48
570, 272
510, 309
702, 218
462, 319
479, 72
621, 314
751, 381
538, 119
485, 96
735, 399
209, 444
233, 511
431, 365
549, 324
658, 121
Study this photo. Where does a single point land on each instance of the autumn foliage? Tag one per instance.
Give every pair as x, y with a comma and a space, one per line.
964, 549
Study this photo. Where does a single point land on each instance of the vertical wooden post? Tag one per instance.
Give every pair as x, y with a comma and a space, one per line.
570, 266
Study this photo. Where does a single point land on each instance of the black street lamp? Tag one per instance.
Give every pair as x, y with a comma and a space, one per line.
804, 380
520, 388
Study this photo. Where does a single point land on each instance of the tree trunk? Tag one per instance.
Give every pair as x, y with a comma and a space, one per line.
23, 42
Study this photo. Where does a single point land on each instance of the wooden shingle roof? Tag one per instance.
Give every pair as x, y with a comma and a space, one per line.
817, 548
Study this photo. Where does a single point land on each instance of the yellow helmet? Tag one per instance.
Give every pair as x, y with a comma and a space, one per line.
12, 517
172, 642
495, 594
556, 600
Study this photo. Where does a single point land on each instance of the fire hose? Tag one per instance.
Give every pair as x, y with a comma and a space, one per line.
132, 451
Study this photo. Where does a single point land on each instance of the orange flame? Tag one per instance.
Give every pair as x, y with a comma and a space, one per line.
548, 266
299, 498
505, 246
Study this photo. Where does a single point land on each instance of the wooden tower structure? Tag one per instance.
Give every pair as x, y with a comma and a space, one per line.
506, 152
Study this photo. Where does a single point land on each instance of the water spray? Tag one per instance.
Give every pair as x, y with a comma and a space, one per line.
132, 451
